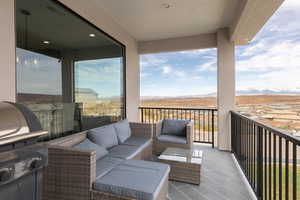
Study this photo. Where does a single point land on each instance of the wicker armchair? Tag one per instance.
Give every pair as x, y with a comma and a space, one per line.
160, 146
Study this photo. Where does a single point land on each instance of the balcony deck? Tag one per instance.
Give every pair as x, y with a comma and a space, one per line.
220, 179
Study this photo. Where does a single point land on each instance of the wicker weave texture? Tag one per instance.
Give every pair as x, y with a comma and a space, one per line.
145, 154
185, 172
70, 140
142, 129
69, 175
71, 172
162, 195
159, 147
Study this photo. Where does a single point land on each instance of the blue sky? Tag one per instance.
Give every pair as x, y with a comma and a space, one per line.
103, 76
270, 61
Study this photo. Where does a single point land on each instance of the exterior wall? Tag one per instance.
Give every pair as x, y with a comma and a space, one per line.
226, 88
7, 51
98, 17
202, 41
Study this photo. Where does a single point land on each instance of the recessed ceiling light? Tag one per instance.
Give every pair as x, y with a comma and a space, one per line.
166, 5
46, 42
92, 35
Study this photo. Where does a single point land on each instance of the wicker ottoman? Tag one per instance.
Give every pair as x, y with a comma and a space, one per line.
185, 164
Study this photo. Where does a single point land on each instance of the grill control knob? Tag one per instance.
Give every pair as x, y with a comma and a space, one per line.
5, 175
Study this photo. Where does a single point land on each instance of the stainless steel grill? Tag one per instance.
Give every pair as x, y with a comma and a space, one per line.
21, 158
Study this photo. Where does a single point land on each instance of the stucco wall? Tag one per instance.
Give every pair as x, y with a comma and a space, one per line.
202, 41
7, 51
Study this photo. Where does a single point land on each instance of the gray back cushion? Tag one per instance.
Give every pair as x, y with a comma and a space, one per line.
105, 136
174, 127
89, 145
123, 130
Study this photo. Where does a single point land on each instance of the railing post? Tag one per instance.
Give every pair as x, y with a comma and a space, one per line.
294, 172
142, 114
232, 132
213, 128
239, 134
260, 163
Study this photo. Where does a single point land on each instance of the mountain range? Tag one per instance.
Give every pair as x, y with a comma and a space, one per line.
238, 93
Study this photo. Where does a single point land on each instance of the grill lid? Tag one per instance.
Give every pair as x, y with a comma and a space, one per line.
17, 123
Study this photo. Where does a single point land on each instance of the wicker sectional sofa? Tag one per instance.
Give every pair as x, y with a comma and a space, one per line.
79, 170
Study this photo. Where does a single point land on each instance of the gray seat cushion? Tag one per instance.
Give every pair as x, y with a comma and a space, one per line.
134, 179
89, 145
137, 141
172, 139
123, 130
124, 151
146, 164
105, 164
105, 136
174, 127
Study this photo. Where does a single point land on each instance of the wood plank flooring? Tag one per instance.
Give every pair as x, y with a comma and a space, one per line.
220, 179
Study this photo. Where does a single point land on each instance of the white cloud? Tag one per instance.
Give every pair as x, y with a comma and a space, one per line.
253, 49
152, 60
284, 80
290, 4
166, 69
279, 56
278, 67
144, 74
196, 77
180, 74
198, 52
272, 60
208, 66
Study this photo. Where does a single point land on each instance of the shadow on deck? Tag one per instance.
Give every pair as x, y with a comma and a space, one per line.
220, 179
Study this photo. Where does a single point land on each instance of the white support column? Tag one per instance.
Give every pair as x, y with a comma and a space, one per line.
226, 87
7, 51
132, 84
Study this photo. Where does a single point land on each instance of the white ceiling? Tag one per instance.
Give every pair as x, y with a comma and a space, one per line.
149, 20
49, 21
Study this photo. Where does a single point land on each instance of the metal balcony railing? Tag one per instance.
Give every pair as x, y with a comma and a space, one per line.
268, 157
204, 120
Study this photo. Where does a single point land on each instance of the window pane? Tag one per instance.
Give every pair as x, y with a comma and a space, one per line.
98, 87
52, 44
38, 77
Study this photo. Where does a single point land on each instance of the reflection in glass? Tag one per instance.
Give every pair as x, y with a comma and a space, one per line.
68, 72
38, 77
98, 86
